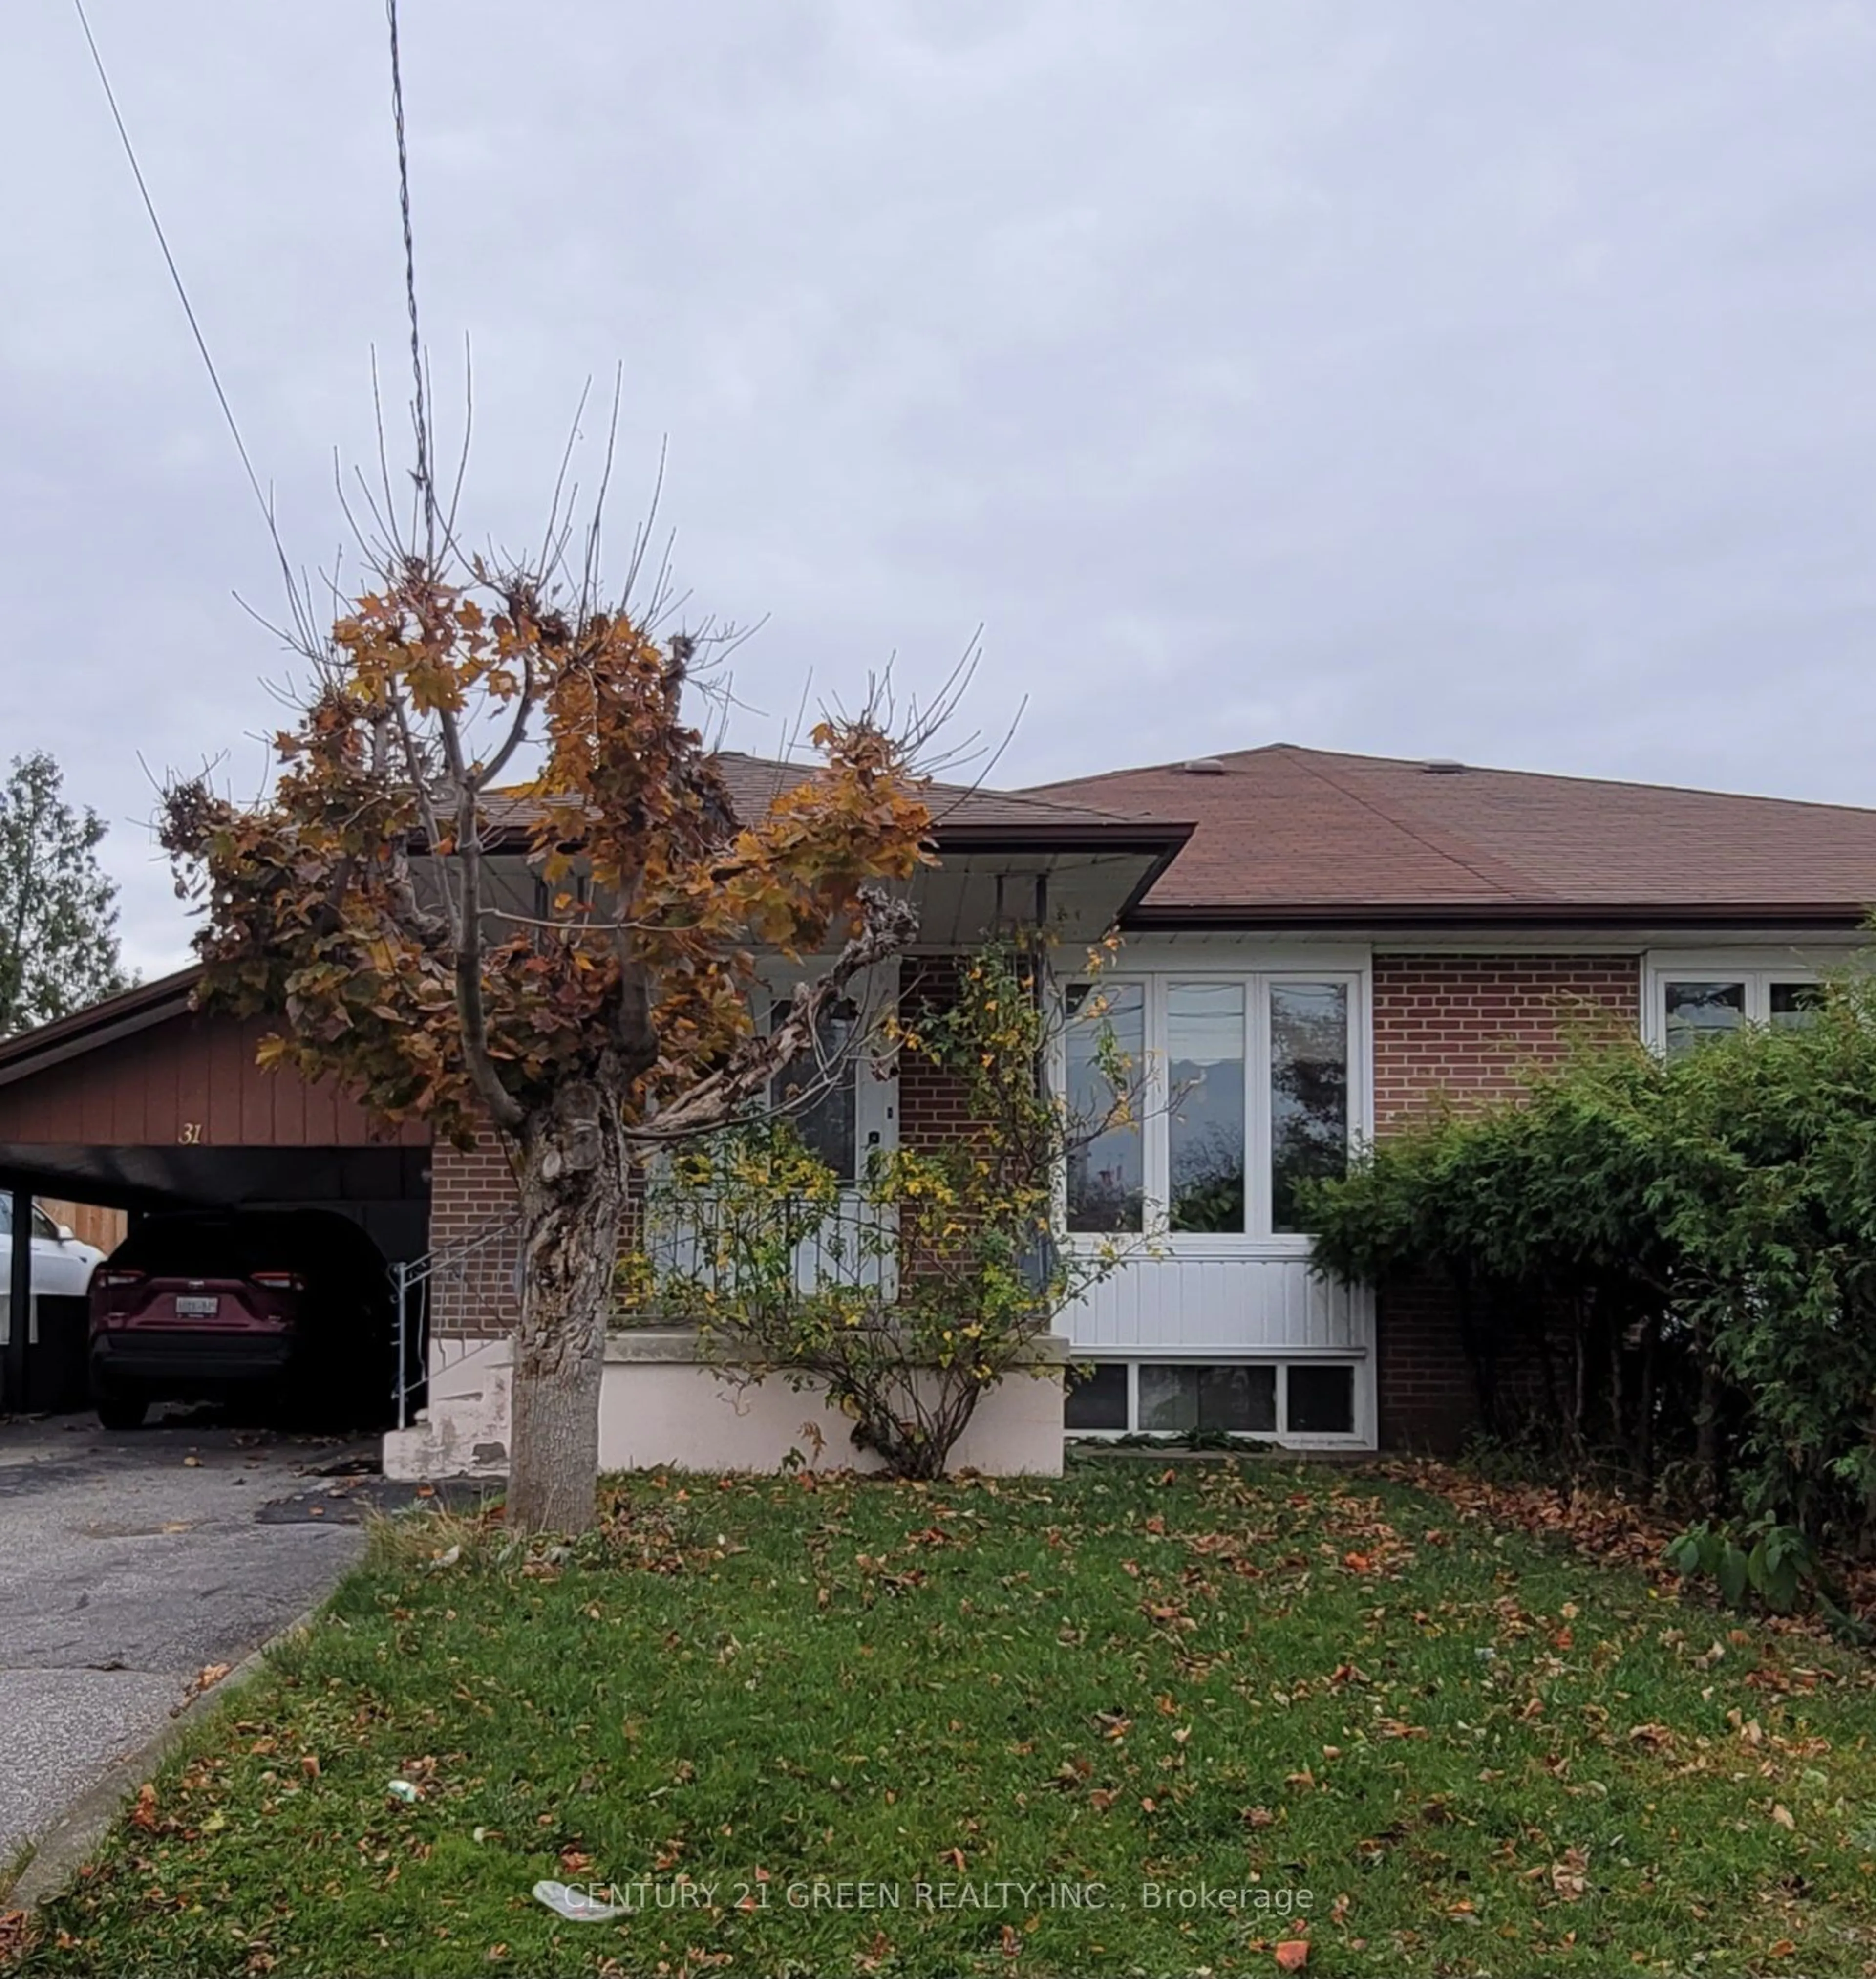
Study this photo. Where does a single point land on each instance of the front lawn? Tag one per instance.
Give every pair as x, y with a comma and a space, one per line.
812, 1725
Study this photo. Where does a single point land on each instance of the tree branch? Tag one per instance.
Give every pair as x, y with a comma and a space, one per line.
888, 925
506, 1111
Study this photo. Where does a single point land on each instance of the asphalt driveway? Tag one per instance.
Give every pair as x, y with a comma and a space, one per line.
128, 1565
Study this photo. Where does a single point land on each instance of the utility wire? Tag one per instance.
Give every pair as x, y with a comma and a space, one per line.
420, 401
188, 309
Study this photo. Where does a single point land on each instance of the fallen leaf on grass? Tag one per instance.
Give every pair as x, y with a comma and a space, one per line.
1293, 1955
1568, 1876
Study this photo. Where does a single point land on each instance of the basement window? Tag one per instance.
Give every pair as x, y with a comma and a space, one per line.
1295, 1398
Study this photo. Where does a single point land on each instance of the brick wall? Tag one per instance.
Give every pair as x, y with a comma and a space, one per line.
933, 1106
472, 1210
1469, 1024
1466, 1027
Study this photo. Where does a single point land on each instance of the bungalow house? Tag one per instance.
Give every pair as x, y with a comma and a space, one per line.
1315, 946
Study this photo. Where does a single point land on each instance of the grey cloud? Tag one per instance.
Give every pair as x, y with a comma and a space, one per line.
1482, 381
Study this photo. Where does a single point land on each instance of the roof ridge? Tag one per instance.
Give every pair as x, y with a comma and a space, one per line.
1308, 752
1468, 856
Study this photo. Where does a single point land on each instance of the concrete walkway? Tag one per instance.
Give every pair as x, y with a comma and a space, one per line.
125, 1569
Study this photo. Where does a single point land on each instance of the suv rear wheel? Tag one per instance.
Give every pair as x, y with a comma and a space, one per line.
122, 1411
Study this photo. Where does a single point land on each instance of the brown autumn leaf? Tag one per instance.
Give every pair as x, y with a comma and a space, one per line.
1292, 1954
1569, 1874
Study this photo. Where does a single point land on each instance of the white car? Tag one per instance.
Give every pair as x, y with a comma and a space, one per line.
61, 1266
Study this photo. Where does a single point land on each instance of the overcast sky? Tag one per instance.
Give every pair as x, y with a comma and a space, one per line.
1442, 378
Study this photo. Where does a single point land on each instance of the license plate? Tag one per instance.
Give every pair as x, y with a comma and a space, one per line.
197, 1309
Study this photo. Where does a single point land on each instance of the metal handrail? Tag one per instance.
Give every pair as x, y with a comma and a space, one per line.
466, 1264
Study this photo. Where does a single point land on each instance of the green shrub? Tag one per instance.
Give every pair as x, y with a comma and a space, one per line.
1683, 1251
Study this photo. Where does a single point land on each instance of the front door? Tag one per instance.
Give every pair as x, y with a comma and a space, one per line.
844, 1103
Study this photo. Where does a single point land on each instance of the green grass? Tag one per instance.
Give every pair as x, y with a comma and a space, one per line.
1476, 1755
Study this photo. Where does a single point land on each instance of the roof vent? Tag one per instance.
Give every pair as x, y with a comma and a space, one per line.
1443, 766
1203, 766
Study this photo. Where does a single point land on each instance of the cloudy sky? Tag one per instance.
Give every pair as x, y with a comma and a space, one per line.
1436, 378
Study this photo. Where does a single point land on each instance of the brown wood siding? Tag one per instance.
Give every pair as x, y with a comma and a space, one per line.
188, 1081
105, 1229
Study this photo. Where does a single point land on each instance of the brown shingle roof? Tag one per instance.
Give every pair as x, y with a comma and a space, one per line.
1288, 834
960, 813
755, 781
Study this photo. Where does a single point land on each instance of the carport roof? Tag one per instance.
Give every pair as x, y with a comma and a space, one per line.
118, 1016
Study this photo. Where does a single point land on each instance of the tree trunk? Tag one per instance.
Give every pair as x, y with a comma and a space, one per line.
1707, 1437
571, 1172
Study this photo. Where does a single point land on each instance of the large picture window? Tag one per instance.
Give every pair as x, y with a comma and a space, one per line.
1207, 1101
1106, 1043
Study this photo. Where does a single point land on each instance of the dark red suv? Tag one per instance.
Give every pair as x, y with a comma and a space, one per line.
291, 1308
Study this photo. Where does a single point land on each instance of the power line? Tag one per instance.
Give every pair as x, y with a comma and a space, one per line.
175, 275
420, 400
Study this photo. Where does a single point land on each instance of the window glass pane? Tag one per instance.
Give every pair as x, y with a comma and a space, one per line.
1097, 1399
1184, 1396
1699, 1011
43, 1225
1322, 1399
1106, 1047
1168, 1398
1309, 1091
1241, 1398
825, 1121
1794, 1005
1205, 1126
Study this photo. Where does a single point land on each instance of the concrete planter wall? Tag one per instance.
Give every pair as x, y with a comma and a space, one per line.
663, 1403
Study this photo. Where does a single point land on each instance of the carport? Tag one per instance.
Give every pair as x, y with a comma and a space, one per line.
141, 1103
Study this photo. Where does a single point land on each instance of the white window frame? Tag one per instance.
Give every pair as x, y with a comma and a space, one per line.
1754, 968
1257, 1240
1360, 1435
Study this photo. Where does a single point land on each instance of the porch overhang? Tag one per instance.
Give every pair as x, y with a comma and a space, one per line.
1074, 882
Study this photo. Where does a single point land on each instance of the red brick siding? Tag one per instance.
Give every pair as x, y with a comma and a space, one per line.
934, 1104
1469, 1025
1465, 1027
472, 1194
